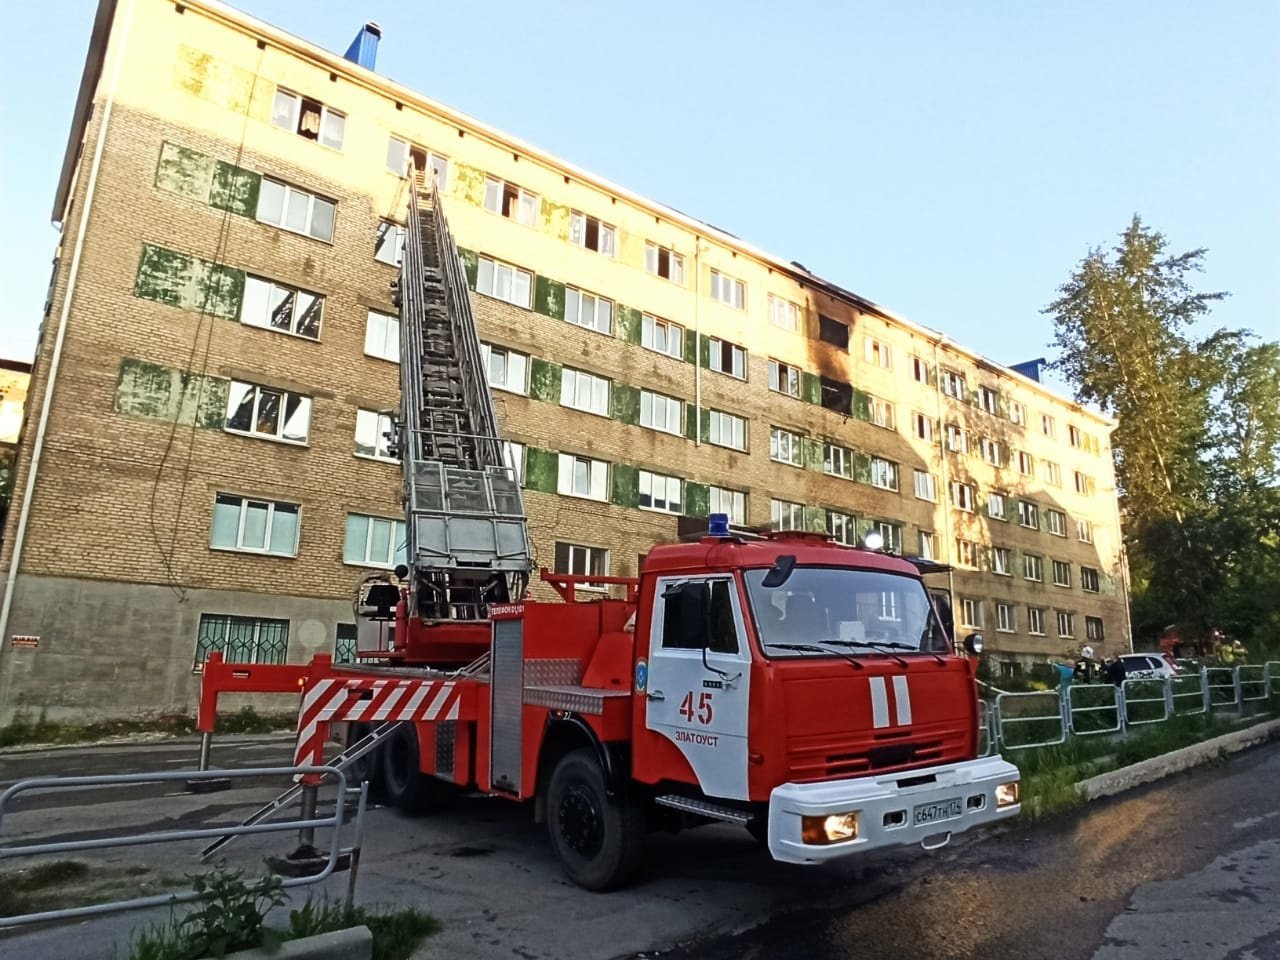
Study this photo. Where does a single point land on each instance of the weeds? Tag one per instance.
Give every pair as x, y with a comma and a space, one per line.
395, 932
26, 730
16, 888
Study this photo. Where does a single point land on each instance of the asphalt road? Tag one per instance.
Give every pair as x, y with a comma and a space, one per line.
1186, 869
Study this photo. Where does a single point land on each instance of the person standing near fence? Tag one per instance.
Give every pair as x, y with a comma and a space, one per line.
1066, 671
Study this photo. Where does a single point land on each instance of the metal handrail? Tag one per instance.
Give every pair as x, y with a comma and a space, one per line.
1005, 721
1259, 682
1129, 699
1232, 683
1116, 706
1201, 698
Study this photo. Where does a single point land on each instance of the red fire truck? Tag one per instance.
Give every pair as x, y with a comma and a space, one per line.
808, 691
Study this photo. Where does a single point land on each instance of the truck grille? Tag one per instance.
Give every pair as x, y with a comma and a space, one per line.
813, 761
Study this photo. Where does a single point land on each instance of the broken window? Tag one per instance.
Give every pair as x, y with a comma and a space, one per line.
373, 434
388, 246
837, 396
664, 263
275, 306
591, 233
267, 412
833, 332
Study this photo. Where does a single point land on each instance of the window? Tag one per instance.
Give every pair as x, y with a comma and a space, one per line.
1004, 618
510, 201
382, 337
400, 153
783, 313
919, 369
1048, 426
295, 210
588, 310
881, 413
1088, 579
513, 457
970, 612
388, 244
374, 541
346, 647
1035, 621
1073, 436
1032, 567
926, 488
784, 378
727, 358
242, 639
953, 384
966, 552
372, 440
1017, 413
1084, 484
1093, 629
1057, 521
1066, 624
658, 492
1028, 514
996, 503
1061, 574
728, 290
1002, 561
841, 528
833, 332
507, 369
505, 282
1052, 474
957, 438
962, 496
1026, 465
784, 446
730, 502
884, 474
576, 559
785, 515
922, 426
308, 118
583, 477
264, 412
664, 263
876, 353
991, 452
988, 400
836, 395
890, 533
1084, 530
837, 461
661, 412
728, 430
584, 391
254, 526
274, 306
662, 336
928, 546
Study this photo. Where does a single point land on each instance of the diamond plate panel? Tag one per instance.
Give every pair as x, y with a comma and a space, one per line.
506, 700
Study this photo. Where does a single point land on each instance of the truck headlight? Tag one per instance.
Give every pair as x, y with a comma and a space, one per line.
1007, 794
832, 828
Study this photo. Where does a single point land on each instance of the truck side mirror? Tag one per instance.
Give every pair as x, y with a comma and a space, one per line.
780, 572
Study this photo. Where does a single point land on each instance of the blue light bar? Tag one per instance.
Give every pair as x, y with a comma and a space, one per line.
718, 525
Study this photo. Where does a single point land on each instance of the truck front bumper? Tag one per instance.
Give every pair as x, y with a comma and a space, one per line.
915, 806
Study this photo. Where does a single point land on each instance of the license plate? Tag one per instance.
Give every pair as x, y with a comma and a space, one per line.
933, 812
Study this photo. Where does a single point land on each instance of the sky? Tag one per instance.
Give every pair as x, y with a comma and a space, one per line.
949, 161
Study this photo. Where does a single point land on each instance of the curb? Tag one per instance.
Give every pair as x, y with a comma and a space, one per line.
353, 943
1156, 768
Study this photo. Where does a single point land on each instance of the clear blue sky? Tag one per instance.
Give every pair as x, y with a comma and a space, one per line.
950, 161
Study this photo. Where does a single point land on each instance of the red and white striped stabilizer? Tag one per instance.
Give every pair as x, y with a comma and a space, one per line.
370, 701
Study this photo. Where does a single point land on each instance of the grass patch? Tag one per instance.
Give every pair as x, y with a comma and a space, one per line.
19, 889
396, 933
27, 730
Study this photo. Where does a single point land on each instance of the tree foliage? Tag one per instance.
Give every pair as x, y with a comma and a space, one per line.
1197, 441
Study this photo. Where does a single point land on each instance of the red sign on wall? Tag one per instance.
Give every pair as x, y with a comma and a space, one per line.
21, 640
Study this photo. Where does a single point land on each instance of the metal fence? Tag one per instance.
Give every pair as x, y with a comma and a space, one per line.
306, 825
1020, 721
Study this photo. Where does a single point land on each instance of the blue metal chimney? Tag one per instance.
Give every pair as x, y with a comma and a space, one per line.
364, 48
1029, 369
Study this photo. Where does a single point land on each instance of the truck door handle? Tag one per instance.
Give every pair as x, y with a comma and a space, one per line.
656, 695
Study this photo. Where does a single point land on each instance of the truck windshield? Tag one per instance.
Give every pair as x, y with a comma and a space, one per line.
853, 610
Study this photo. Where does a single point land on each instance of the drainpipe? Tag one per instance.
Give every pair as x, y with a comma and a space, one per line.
697, 341
25, 512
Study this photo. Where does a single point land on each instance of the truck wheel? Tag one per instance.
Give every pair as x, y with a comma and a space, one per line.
598, 840
406, 786
368, 767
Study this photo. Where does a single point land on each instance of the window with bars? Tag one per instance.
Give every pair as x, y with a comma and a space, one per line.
242, 639
266, 412
345, 646
277, 306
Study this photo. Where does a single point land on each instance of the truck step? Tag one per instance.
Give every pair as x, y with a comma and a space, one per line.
704, 808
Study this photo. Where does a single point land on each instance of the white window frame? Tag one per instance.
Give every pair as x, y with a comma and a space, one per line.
784, 378
1061, 573
400, 153
922, 426
786, 446
1066, 624
582, 477
1084, 530
382, 336
926, 486
1084, 484
1074, 436
1048, 426
664, 493
588, 310
374, 425
311, 226
512, 365
653, 262
1018, 413
966, 552
1028, 515
1005, 617
953, 384
1035, 621
256, 309
837, 460
581, 561
606, 234
884, 473
956, 438
730, 502
877, 353
1090, 580
972, 613
392, 254
395, 542
661, 412
1033, 568
584, 391
302, 413
737, 358
919, 369
997, 504
1002, 561
1056, 521
783, 313
1052, 474
786, 515
504, 281
292, 115
928, 545
525, 209
963, 496
662, 336
1091, 633
881, 413
728, 290
989, 399
241, 506
890, 534
991, 452
842, 527
734, 425
513, 457
1026, 463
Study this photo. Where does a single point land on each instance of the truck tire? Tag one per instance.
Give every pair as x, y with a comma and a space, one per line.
403, 781
368, 767
598, 840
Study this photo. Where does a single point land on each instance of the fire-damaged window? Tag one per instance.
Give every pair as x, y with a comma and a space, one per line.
697, 614
837, 396
242, 639
264, 412
833, 332
388, 245
308, 118
276, 306
584, 561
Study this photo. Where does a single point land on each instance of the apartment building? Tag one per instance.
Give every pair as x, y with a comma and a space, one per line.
203, 467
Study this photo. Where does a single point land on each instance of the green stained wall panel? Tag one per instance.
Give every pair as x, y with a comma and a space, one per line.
162, 275
815, 519
862, 467
624, 402
548, 297
181, 280
704, 353
541, 469
544, 380
861, 404
235, 189
627, 322
690, 347
468, 182
625, 489
186, 172
156, 392
470, 265
697, 499
811, 453
810, 387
